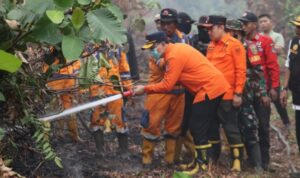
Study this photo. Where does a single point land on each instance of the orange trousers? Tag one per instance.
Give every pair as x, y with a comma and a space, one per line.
167, 107
114, 110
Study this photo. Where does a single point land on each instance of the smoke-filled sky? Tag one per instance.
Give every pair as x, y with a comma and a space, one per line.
197, 8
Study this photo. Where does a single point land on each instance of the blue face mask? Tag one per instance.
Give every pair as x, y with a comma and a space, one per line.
155, 54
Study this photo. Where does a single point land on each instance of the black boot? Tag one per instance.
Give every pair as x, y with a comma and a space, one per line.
123, 142
254, 156
99, 141
201, 159
215, 151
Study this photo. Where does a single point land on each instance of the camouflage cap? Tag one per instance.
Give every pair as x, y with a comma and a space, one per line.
234, 25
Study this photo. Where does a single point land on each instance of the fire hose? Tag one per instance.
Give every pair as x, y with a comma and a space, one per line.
86, 106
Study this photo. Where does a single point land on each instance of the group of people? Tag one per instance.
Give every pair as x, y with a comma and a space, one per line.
222, 78
225, 76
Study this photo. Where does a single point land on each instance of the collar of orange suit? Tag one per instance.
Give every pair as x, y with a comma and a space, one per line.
223, 40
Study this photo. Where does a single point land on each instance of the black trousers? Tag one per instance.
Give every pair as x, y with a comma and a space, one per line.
296, 101
202, 116
189, 98
226, 115
263, 115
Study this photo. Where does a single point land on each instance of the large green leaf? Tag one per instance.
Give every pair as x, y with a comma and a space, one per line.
72, 47
46, 31
55, 16
104, 25
84, 2
78, 18
16, 14
9, 62
64, 4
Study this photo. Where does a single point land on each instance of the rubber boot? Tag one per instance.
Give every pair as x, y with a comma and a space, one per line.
237, 157
254, 156
170, 151
99, 141
123, 142
73, 130
225, 147
147, 152
215, 151
188, 143
201, 160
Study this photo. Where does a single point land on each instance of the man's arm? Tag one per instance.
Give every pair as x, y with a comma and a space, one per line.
174, 67
272, 65
239, 59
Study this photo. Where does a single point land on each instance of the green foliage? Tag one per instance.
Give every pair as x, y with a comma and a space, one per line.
9, 62
78, 18
55, 16
2, 97
72, 47
89, 71
181, 175
84, 2
64, 4
2, 133
104, 25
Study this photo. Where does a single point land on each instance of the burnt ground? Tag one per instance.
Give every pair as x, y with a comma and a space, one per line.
79, 160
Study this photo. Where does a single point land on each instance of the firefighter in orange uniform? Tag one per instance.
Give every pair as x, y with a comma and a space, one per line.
64, 81
116, 79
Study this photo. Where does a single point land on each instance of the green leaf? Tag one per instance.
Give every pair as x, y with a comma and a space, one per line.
39, 138
55, 16
9, 62
15, 14
46, 31
46, 145
64, 4
181, 175
84, 2
57, 161
72, 47
49, 155
116, 11
38, 6
104, 25
89, 71
78, 18
2, 133
2, 97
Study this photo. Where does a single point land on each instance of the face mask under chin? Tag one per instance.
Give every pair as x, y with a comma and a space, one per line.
155, 54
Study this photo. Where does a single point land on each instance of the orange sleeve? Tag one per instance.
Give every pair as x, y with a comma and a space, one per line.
174, 67
239, 59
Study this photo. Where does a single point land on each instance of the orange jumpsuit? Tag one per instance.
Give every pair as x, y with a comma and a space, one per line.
66, 82
168, 106
113, 110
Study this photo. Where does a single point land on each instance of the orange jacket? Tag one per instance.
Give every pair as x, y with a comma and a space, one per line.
65, 76
190, 68
229, 56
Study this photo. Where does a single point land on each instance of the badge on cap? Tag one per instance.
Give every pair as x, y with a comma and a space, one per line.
166, 12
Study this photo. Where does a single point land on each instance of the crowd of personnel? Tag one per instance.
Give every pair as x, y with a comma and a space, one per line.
226, 76
217, 83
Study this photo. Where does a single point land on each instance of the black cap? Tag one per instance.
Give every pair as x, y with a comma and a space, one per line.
153, 38
208, 21
168, 15
184, 22
249, 17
